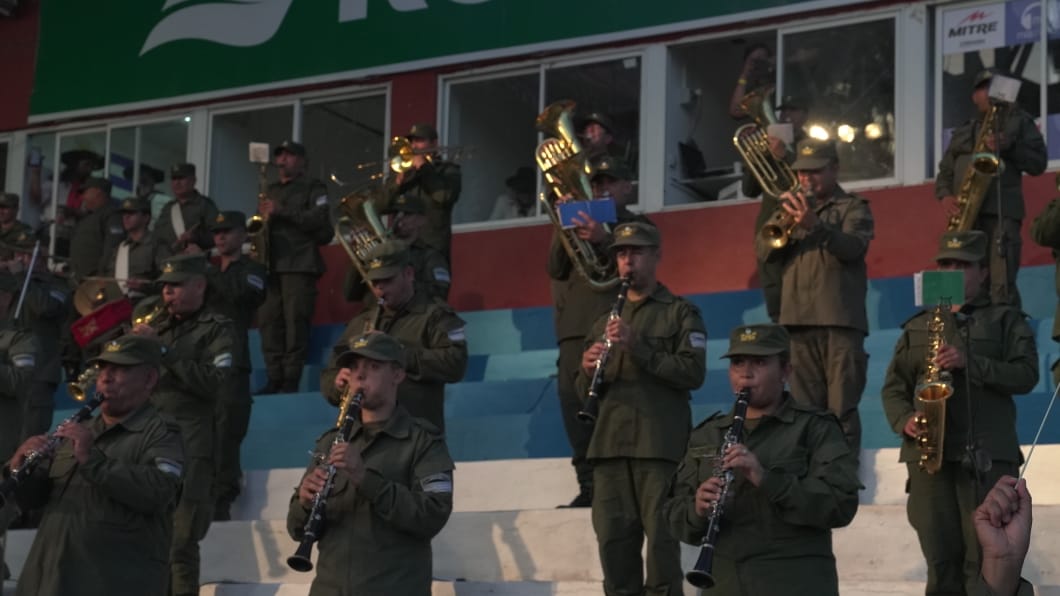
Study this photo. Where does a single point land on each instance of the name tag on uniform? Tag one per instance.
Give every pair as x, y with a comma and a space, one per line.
321, 200
697, 340
256, 282
437, 483
457, 334
23, 360
441, 274
223, 360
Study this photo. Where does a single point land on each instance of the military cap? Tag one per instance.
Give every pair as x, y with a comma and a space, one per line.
636, 234
422, 130
374, 346
136, 205
812, 154
983, 77
962, 246
524, 180
290, 147
609, 165
181, 268
758, 340
406, 204
387, 260
73, 157
793, 102
9, 200
181, 170
130, 350
226, 220
94, 182
145, 171
599, 118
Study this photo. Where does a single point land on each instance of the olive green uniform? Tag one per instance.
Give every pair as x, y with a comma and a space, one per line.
145, 261
435, 354
197, 212
438, 183
775, 538
1046, 231
18, 358
1022, 150
236, 292
378, 535
94, 234
577, 305
639, 437
823, 307
107, 524
431, 274
196, 368
982, 589
1003, 362
13, 234
298, 225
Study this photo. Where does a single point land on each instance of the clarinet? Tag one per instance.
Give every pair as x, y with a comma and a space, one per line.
701, 575
591, 410
349, 411
34, 458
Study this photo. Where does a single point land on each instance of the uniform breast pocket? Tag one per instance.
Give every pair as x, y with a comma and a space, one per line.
661, 341
986, 344
793, 462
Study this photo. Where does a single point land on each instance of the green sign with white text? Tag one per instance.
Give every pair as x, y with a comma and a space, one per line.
95, 56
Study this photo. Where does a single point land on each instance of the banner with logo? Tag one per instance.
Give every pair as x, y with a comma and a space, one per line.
120, 54
972, 28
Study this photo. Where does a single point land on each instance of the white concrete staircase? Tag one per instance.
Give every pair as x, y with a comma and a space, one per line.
506, 537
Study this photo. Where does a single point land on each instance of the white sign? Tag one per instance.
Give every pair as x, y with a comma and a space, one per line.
973, 28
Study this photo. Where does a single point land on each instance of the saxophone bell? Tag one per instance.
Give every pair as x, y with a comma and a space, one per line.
930, 397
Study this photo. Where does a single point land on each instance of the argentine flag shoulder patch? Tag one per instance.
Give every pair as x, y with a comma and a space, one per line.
457, 334
437, 483
321, 200
58, 296
223, 360
697, 340
23, 360
169, 466
255, 281
441, 274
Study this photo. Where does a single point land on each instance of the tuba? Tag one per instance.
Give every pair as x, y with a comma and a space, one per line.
931, 394
566, 169
359, 229
981, 172
258, 225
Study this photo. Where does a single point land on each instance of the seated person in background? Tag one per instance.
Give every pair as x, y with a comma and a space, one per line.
518, 201
757, 73
145, 189
137, 261
1003, 526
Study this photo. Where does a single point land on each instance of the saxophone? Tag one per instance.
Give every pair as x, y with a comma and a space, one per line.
985, 166
931, 394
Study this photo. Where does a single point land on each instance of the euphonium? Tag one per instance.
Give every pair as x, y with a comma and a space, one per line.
566, 169
589, 412
931, 394
359, 229
258, 225
985, 166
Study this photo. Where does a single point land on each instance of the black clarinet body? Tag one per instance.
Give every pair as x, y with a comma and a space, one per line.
591, 409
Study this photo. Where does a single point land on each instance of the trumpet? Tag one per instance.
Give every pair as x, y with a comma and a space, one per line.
153, 316
80, 388
403, 155
588, 414
776, 232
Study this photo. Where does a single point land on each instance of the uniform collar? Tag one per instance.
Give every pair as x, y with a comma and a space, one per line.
785, 412
661, 294
398, 425
135, 422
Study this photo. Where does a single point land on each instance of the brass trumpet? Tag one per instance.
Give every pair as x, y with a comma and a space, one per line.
402, 155
82, 386
149, 317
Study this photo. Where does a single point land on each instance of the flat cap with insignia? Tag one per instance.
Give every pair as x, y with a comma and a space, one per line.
609, 165
387, 260
130, 350
422, 130
406, 204
811, 154
636, 234
600, 118
9, 200
983, 77
758, 340
181, 170
962, 246
135, 205
95, 182
226, 220
290, 147
181, 268
375, 346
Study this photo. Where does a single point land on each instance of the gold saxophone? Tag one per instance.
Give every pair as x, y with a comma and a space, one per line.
985, 166
931, 394
258, 225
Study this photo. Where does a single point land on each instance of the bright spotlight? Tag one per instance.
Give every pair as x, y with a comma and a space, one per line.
845, 133
873, 131
819, 132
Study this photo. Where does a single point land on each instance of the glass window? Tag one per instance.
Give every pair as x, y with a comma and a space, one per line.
846, 74
342, 135
152, 148
3, 166
233, 178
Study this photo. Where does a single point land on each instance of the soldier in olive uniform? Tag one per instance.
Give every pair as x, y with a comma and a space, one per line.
137, 260
824, 285
185, 221
18, 358
658, 356
296, 208
10, 227
795, 478
98, 230
433, 180
432, 333
236, 290
110, 490
393, 488
1022, 149
200, 350
1046, 232
578, 305
987, 349
408, 217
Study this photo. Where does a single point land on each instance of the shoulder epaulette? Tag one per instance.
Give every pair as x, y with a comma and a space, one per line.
714, 416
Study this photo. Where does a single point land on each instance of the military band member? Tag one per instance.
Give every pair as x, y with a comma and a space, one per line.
795, 478
436, 181
236, 290
18, 358
137, 260
200, 348
110, 490
988, 349
10, 227
98, 230
185, 220
430, 331
1020, 147
1046, 232
824, 286
658, 357
296, 208
393, 488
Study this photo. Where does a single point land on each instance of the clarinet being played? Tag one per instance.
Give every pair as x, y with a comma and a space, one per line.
592, 401
701, 575
349, 411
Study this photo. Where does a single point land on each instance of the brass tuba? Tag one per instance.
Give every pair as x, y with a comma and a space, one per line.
258, 225
359, 229
931, 394
985, 166
566, 169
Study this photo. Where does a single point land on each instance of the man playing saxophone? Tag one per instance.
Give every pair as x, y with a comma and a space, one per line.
1020, 148
989, 351
796, 479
